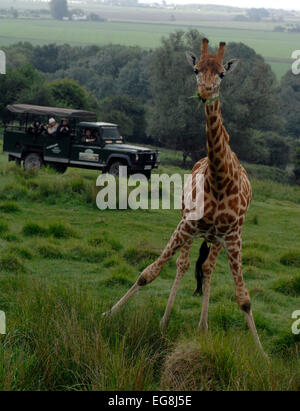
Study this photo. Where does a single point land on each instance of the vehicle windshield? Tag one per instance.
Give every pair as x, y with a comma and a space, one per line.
111, 133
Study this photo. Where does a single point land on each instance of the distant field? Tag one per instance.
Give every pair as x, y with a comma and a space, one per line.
147, 33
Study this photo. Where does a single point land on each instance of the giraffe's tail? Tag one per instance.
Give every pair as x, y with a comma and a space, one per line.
203, 254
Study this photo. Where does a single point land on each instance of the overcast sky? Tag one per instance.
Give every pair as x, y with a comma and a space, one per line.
274, 4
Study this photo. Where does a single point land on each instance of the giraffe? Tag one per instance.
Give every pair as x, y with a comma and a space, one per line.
227, 196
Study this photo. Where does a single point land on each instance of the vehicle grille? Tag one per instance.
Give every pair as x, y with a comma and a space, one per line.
147, 157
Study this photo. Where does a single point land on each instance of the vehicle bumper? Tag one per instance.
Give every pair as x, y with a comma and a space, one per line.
139, 168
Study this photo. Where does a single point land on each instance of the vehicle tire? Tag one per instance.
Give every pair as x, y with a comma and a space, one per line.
59, 168
32, 161
113, 168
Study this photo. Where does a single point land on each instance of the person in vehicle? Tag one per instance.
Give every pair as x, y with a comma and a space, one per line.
87, 137
52, 126
95, 135
36, 128
63, 130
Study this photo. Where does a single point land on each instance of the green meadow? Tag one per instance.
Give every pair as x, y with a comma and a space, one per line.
63, 262
275, 47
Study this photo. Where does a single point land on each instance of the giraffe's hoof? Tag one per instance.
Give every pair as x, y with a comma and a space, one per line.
106, 314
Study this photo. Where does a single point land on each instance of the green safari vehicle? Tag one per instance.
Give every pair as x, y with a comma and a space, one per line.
107, 150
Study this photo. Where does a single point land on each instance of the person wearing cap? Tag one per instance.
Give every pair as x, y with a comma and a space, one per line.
64, 129
52, 126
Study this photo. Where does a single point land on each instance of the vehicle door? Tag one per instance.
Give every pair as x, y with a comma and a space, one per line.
87, 153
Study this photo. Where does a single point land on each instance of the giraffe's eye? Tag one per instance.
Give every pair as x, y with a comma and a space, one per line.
196, 71
222, 75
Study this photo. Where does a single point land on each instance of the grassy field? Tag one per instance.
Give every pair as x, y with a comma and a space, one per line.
129, 29
63, 262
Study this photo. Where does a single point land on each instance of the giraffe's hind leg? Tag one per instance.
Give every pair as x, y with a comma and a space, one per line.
242, 295
182, 263
207, 268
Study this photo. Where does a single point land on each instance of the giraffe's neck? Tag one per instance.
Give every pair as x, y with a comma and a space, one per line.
220, 157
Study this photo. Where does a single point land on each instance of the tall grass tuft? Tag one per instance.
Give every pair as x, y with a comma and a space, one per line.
290, 286
58, 340
61, 230
291, 258
221, 363
34, 229
3, 228
9, 207
12, 263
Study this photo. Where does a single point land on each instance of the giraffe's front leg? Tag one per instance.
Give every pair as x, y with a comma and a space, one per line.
182, 263
178, 239
208, 267
242, 295
148, 275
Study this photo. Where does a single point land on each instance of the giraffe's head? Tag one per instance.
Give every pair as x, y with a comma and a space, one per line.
210, 70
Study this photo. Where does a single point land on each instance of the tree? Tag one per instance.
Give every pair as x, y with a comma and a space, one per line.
297, 165
16, 82
289, 93
127, 113
59, 9
68, 93
174, 118
45, 58
248, 96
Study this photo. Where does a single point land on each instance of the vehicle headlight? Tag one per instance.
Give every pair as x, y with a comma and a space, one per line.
151, 157
136, 157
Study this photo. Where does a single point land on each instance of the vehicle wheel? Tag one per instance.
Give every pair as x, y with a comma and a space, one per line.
113, 168
59, 168
32, 162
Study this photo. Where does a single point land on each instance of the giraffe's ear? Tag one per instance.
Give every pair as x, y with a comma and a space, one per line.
191, 58
231, 65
